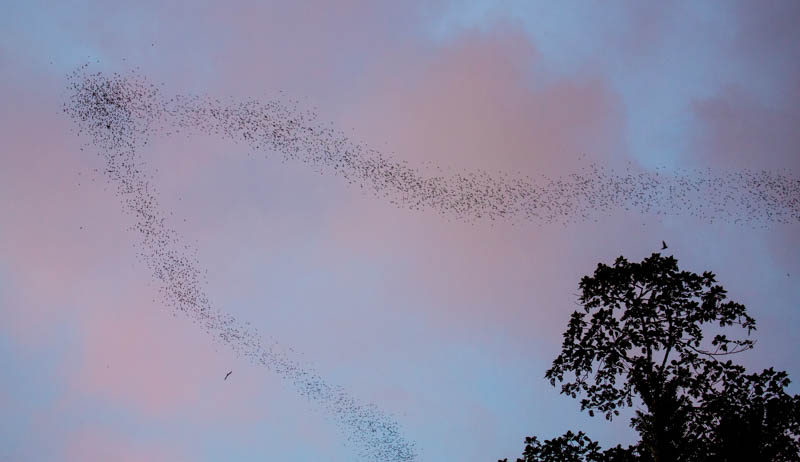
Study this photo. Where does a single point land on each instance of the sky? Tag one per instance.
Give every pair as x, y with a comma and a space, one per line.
443, 324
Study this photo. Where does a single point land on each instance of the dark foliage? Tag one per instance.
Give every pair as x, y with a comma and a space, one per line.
573, 447
643, 335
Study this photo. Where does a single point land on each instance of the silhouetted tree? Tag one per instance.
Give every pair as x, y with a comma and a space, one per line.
573, 447
644, 335
747, 417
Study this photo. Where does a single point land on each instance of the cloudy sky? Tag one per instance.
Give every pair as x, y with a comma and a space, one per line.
446, 325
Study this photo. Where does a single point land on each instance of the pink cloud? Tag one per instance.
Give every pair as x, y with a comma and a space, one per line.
740, 125
133, 352
737, 129
483, 101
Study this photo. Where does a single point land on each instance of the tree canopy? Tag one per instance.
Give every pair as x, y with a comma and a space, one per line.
657, 336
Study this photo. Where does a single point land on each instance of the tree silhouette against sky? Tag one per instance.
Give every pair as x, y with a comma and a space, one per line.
652, 335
